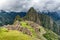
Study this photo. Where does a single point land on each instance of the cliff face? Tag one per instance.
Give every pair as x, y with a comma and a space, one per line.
41, 19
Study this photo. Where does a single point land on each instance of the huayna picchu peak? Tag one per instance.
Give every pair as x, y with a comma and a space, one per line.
32, 10
42, 19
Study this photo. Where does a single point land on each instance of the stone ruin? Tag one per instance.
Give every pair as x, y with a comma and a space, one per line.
22, 29
34, 26
19, 28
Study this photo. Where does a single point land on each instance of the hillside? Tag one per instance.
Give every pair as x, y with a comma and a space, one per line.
26, 30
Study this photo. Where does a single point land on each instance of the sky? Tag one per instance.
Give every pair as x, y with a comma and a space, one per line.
24, 5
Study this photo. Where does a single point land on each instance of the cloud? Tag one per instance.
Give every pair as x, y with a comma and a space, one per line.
24, 5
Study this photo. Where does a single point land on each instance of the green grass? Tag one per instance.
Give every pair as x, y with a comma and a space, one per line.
13, 35
3, 30
24, 24
49, 35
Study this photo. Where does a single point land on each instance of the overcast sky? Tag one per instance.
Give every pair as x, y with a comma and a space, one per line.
24, 5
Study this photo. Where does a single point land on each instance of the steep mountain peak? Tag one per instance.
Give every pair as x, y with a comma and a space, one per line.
32, 15
32, 10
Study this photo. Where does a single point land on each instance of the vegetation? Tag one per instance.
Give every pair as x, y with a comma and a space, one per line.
26, 25
44, 34
18, 18
49, 35
13, 35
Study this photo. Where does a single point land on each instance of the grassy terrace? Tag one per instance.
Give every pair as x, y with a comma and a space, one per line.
24, 24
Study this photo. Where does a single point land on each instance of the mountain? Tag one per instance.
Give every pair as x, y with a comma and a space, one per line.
8, 17
42, 19
56, 18
54, 15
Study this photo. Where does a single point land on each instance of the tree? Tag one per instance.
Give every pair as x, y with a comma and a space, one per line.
18, 18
